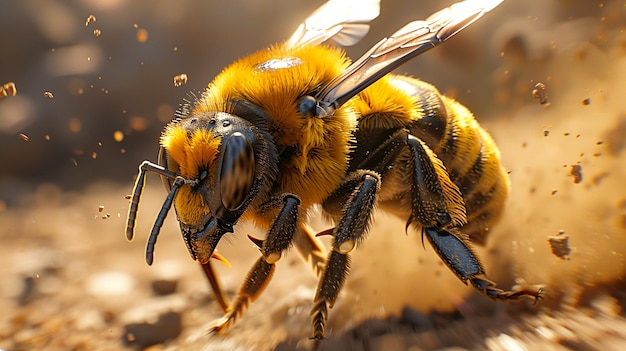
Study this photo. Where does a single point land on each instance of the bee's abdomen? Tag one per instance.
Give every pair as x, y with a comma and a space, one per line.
469, 153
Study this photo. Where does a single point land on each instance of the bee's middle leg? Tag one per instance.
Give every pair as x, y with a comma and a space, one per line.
356, 197
279, 239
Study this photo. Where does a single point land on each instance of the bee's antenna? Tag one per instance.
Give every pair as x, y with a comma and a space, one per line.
156, 228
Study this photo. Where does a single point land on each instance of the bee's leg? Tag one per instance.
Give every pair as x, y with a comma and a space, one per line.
458, 256
356, 196
222, 300
279, 238
436, 204
435, 200
310, 248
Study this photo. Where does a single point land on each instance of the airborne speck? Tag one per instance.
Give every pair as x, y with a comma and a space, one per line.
180, 79
90, 19
576, 172
539, 92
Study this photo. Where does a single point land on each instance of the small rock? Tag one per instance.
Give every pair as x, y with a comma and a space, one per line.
164, 286
559, 244
168, 274
167, 326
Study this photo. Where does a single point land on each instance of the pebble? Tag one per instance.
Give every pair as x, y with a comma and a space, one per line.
167, 326
167, 277
164, 286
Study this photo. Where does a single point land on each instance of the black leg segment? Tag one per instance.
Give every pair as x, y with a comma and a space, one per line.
458, 256
356, 196
279, 238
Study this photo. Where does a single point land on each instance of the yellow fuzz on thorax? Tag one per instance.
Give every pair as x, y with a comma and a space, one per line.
321, 144
191, 155
384, 98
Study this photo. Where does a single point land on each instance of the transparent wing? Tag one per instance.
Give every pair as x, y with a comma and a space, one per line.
408, 42
345, 21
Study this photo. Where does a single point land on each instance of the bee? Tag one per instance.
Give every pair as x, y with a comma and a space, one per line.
299, 124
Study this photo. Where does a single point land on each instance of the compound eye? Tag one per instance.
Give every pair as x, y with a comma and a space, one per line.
237, 171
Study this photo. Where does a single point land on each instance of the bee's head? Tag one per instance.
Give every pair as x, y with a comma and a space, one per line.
224, 161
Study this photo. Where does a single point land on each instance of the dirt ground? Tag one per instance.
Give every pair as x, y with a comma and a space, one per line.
72, 282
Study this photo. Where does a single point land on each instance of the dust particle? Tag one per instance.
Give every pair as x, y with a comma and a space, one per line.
586, 101
553, 192
127, 197
180, 79
94, 155
576, 172
539, 92
24, 137
47, 137
48, 94
118, 136
10, 88
546, 132
559, 244
90, 19
100, 208
106, 216
97, 32
142, 35
7, 89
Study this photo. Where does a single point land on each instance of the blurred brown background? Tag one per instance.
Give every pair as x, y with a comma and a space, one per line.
71, 281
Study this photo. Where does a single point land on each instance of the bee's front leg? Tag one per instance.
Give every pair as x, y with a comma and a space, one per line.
355, 197
214, 282
279, 238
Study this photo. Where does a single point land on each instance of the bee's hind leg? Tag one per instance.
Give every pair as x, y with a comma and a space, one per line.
458, 256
